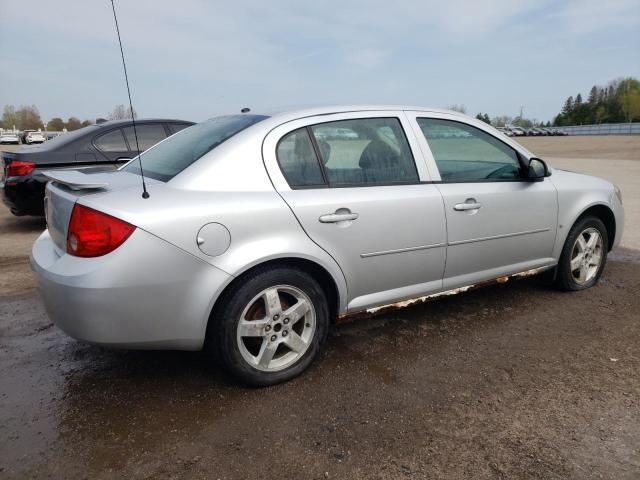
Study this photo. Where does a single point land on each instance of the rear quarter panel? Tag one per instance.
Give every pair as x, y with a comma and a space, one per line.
260, 224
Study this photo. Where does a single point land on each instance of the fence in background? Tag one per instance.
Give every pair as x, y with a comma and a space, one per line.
604, 129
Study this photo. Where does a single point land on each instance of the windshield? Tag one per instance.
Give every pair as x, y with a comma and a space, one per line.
168, 158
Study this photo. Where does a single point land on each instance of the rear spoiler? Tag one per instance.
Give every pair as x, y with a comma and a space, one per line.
75, 180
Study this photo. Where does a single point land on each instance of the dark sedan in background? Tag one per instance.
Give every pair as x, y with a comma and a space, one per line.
103, 146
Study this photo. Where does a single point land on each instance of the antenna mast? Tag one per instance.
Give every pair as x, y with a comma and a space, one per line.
145, 194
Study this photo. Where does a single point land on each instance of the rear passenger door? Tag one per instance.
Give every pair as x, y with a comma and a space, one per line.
353, 183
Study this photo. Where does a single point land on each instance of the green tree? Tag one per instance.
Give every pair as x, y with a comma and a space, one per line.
600, 113
56, 124
593, 96
73, 123
630, 105
27, 117
484, 117
9, 118
458, 108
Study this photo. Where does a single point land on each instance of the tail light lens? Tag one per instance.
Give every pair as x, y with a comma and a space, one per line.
17, 168
93, 233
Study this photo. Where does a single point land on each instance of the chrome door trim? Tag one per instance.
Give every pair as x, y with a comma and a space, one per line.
401, 250
504, 235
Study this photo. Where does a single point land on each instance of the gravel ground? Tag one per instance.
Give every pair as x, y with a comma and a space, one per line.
510, 381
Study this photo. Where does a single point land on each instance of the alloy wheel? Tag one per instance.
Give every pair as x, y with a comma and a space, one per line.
276, 328
586, 256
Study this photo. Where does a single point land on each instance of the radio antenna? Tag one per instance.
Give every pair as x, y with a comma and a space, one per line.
145, 194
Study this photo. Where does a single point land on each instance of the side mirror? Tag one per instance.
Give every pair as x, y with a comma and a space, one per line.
537, 170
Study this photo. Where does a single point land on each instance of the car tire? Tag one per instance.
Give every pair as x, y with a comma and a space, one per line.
276, 348
581, 263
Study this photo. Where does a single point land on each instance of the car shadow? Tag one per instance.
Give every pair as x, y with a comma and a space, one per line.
24, 224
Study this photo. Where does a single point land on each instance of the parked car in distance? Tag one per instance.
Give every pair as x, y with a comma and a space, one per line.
259, 231
506, 131
34, 137
518, 132
9, 137
104, 146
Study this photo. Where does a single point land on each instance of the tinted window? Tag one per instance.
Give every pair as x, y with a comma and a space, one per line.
148, 135
169, 158
111, 142
176, 127
464, 153
298, 160
365, 151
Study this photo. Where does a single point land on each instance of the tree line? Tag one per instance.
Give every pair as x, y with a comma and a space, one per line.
617, 102
27, 117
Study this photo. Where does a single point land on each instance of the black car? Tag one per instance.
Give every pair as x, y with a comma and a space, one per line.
103, 146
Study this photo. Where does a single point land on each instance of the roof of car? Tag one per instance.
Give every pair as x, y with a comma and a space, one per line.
307, 111
115, 123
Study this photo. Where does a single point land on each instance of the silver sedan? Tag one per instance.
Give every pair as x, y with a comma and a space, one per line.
260, 231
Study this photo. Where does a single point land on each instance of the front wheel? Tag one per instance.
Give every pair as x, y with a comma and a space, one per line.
269, 326
584, 255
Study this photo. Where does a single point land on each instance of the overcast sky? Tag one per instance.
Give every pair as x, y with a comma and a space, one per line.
195, 59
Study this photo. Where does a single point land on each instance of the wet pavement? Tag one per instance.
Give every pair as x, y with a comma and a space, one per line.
510, 381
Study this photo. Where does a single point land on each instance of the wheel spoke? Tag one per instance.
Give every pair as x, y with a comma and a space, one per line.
272, 302
593, 240
267, 351
595, 260
298, 311
253, 328
576, 262
584, 271
582, 244
295, 342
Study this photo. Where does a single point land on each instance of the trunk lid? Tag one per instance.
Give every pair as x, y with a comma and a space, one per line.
65, 188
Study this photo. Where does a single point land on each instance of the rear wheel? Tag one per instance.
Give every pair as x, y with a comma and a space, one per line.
269, 326
584, 255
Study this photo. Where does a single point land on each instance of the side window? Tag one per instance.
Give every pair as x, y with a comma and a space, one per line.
298, 160
176, 127
465, 154
111, 142
148, 135
365, 151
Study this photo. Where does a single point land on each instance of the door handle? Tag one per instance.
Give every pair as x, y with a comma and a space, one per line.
341, 215
463, 207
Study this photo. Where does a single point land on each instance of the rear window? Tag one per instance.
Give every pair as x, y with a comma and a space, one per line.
165, 160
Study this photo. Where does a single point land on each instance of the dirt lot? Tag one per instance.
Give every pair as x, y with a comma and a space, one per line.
511, 381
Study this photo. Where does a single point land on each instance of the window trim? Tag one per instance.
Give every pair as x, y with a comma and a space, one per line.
519, 156
132, 148
313, 146
320, 159
94, 141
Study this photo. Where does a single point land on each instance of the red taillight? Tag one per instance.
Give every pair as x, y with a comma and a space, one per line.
17, 168
93, 233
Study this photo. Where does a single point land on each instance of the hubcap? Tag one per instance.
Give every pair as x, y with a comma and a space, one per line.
276, 328
586, 256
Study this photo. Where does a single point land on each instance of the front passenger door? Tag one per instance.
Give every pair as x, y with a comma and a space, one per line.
498, 222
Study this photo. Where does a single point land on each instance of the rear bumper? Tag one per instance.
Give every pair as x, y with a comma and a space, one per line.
145, 294
24, 195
